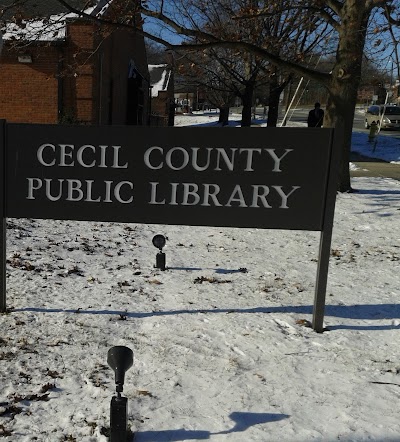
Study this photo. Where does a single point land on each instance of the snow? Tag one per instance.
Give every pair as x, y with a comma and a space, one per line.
159, 86
222, 350
51, 28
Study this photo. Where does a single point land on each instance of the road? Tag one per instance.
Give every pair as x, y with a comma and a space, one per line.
367, 166
300, 116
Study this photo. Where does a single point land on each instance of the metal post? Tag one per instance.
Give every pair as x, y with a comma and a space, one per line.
160, 260
3, 226
322, 279
288, 108
118, 418
120, 359
326, 233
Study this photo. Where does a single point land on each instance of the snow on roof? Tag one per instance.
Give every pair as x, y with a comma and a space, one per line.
159, 78
51, 28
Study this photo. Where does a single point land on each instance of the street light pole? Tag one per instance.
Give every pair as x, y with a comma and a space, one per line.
391, 72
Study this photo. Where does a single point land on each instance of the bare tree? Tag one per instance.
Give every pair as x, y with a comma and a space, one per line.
285, 34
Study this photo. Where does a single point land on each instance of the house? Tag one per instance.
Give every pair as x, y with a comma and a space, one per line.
57, 67
190, 97
162, 95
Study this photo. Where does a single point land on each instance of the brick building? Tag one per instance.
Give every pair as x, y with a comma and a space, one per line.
70, 70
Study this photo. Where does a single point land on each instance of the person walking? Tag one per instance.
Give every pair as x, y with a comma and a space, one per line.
315, 116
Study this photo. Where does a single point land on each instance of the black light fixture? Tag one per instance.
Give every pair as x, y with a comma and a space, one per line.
120, 359
159, 242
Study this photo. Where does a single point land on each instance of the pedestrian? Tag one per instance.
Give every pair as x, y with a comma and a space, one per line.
315, 116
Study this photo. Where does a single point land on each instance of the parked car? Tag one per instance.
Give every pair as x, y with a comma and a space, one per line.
390, 119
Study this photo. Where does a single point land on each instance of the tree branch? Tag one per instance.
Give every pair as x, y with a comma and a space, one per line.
181, 30
391, 20
272, 58
311, 9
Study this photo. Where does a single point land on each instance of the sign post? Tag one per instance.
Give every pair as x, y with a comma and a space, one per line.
3, 225
326, 236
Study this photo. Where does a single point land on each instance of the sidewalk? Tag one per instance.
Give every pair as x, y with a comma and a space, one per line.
373, 167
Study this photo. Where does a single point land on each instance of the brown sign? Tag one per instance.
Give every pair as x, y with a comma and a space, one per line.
248, 177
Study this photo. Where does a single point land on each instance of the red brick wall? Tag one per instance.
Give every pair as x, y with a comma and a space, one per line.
29, 92
79, 99
89, 70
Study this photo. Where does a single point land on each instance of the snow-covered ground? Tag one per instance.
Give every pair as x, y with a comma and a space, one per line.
222, 350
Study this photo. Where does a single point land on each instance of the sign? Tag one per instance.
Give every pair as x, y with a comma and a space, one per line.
269, 178
187, 176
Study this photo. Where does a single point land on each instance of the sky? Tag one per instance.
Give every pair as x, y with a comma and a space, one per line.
221, 340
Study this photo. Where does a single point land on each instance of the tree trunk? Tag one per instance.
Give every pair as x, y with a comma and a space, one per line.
342, 113
247, 100
273, 102
344, 83
224, 115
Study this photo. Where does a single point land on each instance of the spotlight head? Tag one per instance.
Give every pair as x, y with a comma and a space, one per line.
159, 241
120, 359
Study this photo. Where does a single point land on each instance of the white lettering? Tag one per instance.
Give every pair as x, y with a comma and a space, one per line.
32, 187
48, 188
103, 150
173, 194
117, 193
228, 161
213, 195
107, 199
154, 194
74, 186
239, 198
284, 196
147, 158
64, 154
75, 190
277, 159
79, 155
190, 189
40, 154
116, 159
89, 198
215, 158
249, 163
168, 158
195, 151
206, 195
262, 197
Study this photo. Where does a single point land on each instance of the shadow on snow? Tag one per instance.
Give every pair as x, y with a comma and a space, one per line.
357, 312
242, 421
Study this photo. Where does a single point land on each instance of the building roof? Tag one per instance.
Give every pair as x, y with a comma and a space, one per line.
43, 20
160, 75
39, 8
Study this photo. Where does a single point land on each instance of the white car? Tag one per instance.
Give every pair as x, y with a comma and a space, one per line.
390, 119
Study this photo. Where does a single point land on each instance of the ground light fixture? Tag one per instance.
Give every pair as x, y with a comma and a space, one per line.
120, 359
159, 242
